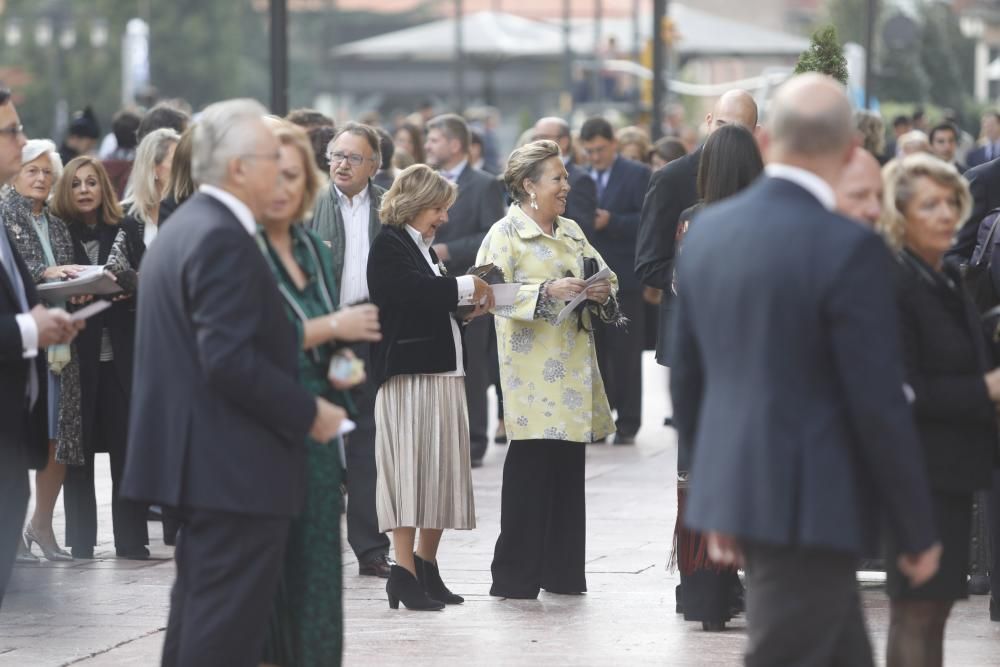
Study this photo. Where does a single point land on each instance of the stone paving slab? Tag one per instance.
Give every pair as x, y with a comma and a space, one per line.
106, 612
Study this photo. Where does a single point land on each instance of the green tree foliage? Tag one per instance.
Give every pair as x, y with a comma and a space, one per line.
824, 55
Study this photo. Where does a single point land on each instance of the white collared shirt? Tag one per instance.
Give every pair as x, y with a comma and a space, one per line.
356, 214
453, 174
806, 180
233, 203
466, 288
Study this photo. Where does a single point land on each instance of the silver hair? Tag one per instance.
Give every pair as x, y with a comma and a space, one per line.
36, 148
142, 192
220, 136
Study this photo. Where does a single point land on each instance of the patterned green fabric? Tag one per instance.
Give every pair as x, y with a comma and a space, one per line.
306, 628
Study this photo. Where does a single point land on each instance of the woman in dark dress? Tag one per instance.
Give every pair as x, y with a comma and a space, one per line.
710, 592
955, 395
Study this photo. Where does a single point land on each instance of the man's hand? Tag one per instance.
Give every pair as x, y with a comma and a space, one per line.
441, 250
328, 420
919, 568
725, 549
54, 326
602, 219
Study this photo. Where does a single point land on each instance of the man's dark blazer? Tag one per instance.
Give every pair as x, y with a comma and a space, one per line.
20, 428
581, 204
984, 183
787, 379
672, 189
622, 198
415, 309
480, 203
218, 419
976, 157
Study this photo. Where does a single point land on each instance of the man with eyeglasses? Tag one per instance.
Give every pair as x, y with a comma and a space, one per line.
346, 218
25, 329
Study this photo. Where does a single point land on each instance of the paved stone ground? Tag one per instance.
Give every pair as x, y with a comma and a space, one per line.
107, 612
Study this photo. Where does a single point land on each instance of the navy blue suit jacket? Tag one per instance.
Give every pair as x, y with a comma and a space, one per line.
984, 184
622, 198
787, 379
976, 157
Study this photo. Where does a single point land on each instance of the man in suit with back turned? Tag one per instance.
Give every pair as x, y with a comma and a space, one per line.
26, 328
787, 381
581, 204
219, 419
478, 206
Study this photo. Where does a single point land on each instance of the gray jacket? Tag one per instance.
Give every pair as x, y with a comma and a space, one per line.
328, 223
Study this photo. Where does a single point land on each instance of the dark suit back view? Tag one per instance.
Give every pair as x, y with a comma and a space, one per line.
786, 375
218, 427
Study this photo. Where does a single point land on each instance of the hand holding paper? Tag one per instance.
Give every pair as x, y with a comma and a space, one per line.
602, 275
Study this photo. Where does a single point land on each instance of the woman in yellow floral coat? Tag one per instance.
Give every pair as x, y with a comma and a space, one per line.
554, 399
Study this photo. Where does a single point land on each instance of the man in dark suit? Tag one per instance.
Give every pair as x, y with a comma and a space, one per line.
673, 189
620, 185
943, 138
219, 419
984, 183
26, 328
787, 382
346, 217
479, 204
990, 148
581, 205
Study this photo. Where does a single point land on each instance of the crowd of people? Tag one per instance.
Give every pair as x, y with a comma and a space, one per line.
312, 308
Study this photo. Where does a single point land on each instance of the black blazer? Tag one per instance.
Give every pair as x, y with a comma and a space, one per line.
622, 198
672, 189
945, 358
984, 183
415, 309
480, 203
219, 419
20, 427
787, 380
581, 204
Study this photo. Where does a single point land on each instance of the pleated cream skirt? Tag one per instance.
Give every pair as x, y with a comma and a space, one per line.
422, 454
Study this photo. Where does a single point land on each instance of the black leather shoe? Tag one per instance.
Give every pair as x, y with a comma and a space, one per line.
429, 577
621, 439
132, 553
979, 584
404, 587
713, 626
376, 566
82, 553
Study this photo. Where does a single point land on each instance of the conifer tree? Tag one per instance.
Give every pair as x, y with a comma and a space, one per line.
824, 55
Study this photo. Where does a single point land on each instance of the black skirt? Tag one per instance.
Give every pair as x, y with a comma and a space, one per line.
953, 521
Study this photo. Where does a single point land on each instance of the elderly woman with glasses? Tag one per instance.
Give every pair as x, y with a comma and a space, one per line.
44, 242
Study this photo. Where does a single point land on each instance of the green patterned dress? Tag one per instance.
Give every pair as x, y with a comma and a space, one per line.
306, 628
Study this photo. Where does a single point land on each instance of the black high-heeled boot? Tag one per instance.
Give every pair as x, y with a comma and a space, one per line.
429, 577
403, 586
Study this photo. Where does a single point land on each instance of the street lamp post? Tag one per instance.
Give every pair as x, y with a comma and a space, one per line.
869, 48
279, 57
661, 9
459, 65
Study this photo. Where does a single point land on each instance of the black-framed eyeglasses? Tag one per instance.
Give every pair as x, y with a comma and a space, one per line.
353, 159
12, 131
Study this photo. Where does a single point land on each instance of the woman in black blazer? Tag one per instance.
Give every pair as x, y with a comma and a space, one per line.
954, 394
421, 418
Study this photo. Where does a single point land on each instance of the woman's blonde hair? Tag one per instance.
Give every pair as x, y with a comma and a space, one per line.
295, 137
526, 163
181, 185
900, 178
63, 205
415, 189
633, 135
143, 192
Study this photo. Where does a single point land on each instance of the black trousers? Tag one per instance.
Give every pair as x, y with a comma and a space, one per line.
477, 381
994, 520
803, 609
110, 431
543, 520
619, 356
228, 567
14, 494
362, 521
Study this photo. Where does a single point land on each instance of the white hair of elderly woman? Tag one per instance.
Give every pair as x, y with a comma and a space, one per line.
143, 193
220, 135
36, 148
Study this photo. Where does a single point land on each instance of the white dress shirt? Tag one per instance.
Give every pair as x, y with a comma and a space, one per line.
807, 180
466, 288
456, 171
356, 215
232, 202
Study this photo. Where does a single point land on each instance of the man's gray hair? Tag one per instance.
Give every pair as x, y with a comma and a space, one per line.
220, 135
36, 148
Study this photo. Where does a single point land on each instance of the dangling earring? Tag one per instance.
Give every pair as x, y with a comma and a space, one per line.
534, 201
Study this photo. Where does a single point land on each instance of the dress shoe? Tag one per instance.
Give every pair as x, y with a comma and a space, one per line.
50, 548
622, 439
24, 555
500, 592
132, 553
713, 626
429, 577
376, 566
979, 584
404, 587
82, 553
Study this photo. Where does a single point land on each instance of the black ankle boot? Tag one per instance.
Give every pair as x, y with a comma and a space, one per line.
430, 578
403, 586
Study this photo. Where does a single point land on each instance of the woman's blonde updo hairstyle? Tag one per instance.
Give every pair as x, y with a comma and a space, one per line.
900, 178
527, 162
416, 188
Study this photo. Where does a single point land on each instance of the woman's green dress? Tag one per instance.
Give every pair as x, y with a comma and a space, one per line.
306, 628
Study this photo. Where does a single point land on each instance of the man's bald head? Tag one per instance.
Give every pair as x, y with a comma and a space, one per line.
554, 129
735, 107
859, 190
811, 119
